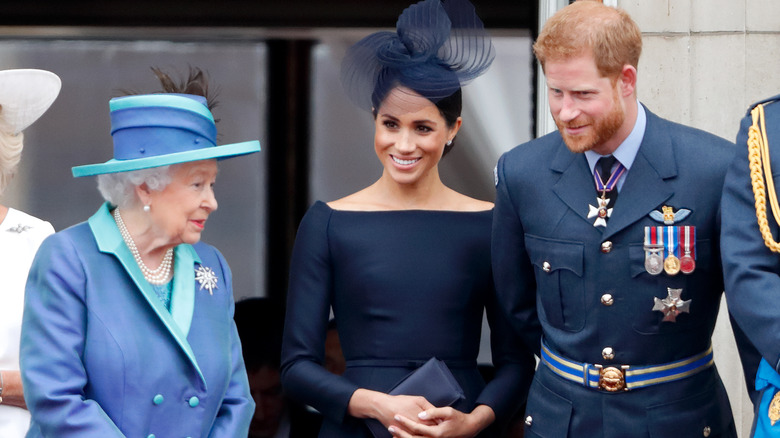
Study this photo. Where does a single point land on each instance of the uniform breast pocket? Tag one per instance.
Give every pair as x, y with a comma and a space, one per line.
646, 288
558, 267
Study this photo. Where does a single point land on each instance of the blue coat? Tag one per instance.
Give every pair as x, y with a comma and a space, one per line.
752, 271
554, 269
102, 357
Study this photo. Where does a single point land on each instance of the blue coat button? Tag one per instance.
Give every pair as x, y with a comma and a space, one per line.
194, 401
151, 435
158, 399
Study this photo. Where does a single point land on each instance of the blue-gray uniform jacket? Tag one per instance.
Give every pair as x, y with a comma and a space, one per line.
751, 270
586, 292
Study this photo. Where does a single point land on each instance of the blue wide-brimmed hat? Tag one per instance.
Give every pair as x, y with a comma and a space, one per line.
152, 130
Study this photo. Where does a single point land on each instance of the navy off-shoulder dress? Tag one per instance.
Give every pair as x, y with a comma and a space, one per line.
405, 286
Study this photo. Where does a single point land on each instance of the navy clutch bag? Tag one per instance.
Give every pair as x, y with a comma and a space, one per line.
433, 380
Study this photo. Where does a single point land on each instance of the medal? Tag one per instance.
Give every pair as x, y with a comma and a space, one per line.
672, 305
688, 259
654, 262
602, 212
672, 265
671, 262
654, 247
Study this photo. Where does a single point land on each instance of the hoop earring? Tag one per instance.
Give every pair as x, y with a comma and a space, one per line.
147, 208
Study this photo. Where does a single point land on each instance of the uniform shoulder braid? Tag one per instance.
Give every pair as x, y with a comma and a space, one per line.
761, 172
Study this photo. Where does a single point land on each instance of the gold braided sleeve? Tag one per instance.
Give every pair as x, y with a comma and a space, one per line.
758, 152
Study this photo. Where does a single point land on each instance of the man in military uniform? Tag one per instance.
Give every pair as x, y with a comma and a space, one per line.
751, 262
605, 246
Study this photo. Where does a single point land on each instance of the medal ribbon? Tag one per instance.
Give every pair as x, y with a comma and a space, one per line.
611, 182
689, 233
672, 240
654, 236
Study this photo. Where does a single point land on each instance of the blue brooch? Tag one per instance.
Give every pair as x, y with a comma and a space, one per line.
206, 278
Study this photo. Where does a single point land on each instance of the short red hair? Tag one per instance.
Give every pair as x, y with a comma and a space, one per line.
587, 26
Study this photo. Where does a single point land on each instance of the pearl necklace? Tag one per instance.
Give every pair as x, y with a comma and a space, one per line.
157, 276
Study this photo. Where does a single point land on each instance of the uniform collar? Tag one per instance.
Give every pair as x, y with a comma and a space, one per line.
626, 152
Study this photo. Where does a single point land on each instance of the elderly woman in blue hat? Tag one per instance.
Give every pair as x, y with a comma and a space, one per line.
25, 94
128, 327
405, 262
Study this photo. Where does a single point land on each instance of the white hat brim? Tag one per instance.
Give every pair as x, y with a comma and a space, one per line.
25, 94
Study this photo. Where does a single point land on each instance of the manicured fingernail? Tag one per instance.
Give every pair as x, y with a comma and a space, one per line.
397, 418
391, 429
422, 414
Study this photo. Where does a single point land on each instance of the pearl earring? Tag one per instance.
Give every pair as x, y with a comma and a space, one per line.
147, 208
449, 142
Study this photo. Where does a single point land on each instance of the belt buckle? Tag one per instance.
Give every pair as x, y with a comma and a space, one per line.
612, 379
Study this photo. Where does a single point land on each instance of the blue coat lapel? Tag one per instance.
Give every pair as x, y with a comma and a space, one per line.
575, 186
646, 187
179, 319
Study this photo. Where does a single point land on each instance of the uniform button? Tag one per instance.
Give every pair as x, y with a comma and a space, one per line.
608, 353
706, 432
151, 435
546, 267
194, 401
606, 247
607, 300
158, 399
529, 420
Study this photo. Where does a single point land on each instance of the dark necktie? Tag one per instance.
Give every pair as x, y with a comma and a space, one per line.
604, 167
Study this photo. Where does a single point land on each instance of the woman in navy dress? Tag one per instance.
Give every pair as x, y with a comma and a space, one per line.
405, 262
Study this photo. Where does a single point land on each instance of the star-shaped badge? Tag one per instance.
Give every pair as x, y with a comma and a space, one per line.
601, 213
207, 279
672, 305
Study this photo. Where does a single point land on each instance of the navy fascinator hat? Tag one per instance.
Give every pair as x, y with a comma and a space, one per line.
438, 46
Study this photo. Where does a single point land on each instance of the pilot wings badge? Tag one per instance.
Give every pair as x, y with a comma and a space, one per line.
668, 216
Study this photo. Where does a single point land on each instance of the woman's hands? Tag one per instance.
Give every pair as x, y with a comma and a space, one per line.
444, 422
383, 407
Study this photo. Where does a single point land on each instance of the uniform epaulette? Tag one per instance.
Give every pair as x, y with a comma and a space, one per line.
764, 101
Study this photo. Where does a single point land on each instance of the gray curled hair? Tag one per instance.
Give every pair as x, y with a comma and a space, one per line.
119, 188
10, 155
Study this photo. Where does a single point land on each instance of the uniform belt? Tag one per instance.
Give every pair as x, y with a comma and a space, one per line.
614, 378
